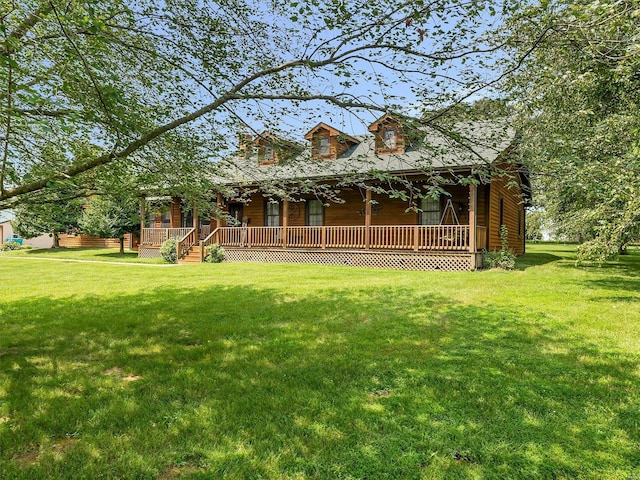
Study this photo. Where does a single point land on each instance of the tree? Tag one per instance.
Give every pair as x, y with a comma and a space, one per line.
110, 218
535, 226
165, 86
579, 105
53, 214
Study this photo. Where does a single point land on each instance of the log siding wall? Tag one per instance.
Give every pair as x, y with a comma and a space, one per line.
512, 204
388, 211
90, 241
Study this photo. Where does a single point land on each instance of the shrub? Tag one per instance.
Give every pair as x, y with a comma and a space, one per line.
503, 258
214, 254
10, 246
168, 250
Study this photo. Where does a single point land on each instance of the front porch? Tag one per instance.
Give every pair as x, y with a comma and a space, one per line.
409, 240
451, 247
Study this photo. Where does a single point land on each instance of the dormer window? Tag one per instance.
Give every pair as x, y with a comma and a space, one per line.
267, 153
390, 137
323, 146
328, 143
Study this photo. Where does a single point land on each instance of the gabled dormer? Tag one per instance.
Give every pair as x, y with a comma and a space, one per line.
328, 143
390, 135
272, 149
265, 145
245, 145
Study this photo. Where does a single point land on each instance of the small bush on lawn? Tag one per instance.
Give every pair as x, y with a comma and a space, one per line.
503, 258
10, 246
168, 250
214, 254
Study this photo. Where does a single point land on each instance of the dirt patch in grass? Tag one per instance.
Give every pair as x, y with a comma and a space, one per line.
30, 458
119, 373
27, 459
383, 393
177, 472
115, 372
63, 444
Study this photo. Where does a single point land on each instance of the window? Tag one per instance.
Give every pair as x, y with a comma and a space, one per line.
389, 138
267, 153
165, 219
315, 213
187, 219
272, 214
430, 214
150, 219
519, 222
323, 146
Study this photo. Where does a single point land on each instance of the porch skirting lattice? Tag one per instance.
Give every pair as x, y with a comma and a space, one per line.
149, 252
353, 258
375, 259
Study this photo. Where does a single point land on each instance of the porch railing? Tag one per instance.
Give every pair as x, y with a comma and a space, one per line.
390, 237
157, 236
381, 237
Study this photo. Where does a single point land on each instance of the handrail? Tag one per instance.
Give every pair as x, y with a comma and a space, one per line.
185, 243
208, 240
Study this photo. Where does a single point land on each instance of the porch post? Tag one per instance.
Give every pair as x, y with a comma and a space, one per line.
218, 218
473, 205
173, 221
143, 217
285, 221
367, 219
195, 217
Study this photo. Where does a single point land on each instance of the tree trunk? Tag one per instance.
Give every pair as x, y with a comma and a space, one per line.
121, 245
56, 240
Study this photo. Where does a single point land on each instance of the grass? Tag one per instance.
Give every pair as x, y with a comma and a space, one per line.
291, 371
89, 254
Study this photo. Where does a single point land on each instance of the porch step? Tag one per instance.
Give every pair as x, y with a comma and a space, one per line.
192, 256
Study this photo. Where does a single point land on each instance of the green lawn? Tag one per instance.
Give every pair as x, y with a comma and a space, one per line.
92, 254
290, 371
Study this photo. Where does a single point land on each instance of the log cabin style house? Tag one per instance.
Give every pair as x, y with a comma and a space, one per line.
394, 198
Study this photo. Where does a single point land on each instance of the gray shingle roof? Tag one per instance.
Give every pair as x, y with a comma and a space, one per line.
475, 144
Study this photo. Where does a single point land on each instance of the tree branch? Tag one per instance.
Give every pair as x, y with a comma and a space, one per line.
26, 25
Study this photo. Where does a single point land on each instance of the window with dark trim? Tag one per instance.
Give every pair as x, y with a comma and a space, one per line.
390, 137
267, 153
519, 222
165, 218
150, 219
315, 213
272, 214
323, 146
187, 219
430, 211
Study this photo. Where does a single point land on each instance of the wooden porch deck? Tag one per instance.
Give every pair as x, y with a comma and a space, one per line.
422, 247
388, 237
